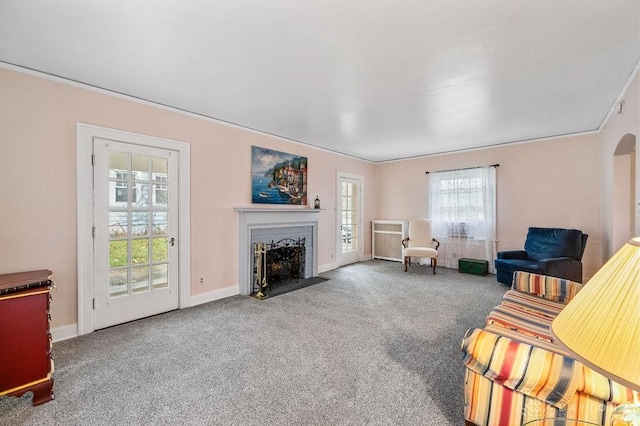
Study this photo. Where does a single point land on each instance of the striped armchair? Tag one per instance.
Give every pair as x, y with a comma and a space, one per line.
515, 372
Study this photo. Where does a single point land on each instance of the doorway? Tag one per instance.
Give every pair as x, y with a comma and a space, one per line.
624, 190
136, 190
133, 196
350, 227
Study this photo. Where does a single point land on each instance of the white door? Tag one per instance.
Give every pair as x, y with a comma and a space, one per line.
135, 219
350, 214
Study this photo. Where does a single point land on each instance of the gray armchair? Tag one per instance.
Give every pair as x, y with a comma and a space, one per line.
554, 252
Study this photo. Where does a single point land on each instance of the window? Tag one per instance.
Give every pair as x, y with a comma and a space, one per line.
462, 211
461, 203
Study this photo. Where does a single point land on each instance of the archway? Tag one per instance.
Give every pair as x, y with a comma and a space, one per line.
624, 190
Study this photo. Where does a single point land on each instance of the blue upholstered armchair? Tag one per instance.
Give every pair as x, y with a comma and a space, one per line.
547, 251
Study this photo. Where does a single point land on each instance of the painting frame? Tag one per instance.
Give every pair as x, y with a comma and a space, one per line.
278, 177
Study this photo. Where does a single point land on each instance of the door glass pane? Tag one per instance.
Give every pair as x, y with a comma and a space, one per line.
140, 167
140, 251
160, 166
118, 193
118, 224
118, 282
140, 279
160, 223
160, 188
160, 274
139, 224
160, 195
118, 163
140, 196
160, 250
118, 179
118, 253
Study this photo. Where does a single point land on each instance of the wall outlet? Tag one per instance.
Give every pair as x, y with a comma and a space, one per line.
201, 280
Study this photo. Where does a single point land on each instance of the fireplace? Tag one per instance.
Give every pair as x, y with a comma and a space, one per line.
269, 226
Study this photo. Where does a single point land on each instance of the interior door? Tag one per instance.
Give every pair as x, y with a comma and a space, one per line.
135, 217
350, 220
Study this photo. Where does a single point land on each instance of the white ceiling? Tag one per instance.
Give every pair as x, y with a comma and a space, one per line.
376, 79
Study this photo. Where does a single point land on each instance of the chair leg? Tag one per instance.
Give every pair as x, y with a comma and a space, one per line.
434, 263
406, 259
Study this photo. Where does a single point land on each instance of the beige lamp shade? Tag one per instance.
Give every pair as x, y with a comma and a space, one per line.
601, 325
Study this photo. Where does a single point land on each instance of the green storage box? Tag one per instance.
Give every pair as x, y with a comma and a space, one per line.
473, 266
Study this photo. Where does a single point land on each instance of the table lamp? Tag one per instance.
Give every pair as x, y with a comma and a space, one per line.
601, 325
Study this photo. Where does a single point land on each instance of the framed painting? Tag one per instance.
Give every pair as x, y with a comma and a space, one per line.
278, 177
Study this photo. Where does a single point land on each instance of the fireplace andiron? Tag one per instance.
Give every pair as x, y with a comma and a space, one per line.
261, 269
277, 263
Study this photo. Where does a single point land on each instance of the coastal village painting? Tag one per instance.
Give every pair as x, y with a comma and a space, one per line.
278, 177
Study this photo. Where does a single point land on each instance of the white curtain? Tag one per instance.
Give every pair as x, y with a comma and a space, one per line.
462, 208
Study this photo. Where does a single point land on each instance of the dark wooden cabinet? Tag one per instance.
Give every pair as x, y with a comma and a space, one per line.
26, 364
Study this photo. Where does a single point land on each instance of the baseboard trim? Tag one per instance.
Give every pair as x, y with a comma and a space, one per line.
328, 267
335, 265
210, 296
65, 332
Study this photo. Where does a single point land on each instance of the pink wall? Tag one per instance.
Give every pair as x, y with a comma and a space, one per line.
553, 183
38, 130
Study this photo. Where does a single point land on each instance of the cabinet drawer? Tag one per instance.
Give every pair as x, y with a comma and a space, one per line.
24, 333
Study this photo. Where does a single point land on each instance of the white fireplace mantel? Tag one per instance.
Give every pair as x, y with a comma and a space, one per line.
263, 217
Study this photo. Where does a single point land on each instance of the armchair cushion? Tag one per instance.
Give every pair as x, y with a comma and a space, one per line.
551, 288
541, 305
513, 254
420, 252
545, 243
520, 318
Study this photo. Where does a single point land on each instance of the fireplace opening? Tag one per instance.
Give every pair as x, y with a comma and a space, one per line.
277, 264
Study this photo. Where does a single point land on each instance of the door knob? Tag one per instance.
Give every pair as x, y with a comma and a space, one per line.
172, 241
